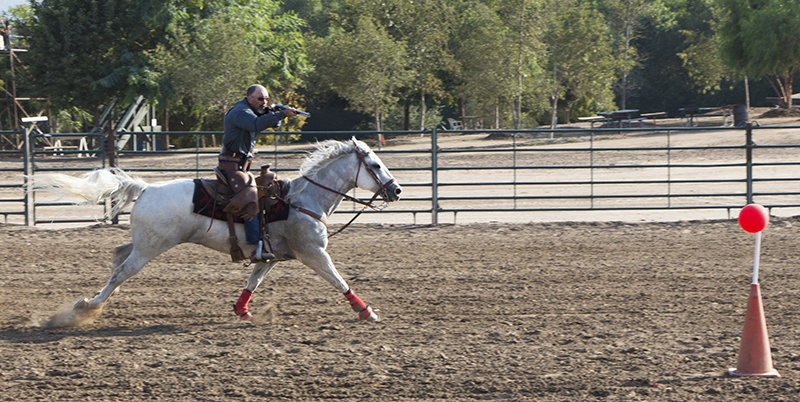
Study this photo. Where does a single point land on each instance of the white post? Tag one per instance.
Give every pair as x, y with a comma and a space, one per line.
756, 258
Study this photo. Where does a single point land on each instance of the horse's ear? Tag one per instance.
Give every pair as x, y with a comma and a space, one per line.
356, 142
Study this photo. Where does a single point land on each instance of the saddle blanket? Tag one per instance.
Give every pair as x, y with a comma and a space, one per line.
204, 204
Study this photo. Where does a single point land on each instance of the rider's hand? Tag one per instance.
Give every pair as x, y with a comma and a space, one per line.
290, 112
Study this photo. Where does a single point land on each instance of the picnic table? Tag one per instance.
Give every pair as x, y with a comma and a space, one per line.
471, 122
620, 117
593, 119
654, 116
690, 113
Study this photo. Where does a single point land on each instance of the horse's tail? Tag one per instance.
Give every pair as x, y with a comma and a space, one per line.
95, 186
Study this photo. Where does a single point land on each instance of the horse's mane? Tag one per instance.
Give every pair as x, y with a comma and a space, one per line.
324, 152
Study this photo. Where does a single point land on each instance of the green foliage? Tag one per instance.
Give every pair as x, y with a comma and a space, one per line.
702, 62
72, 120
761, 38
364, 66
209, 69
209, 62
395, 59
100, 48
276, 39
486, 75
581, 59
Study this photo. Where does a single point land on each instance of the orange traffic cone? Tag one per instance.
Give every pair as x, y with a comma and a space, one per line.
755, 357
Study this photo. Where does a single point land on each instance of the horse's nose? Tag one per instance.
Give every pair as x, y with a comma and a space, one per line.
393, 193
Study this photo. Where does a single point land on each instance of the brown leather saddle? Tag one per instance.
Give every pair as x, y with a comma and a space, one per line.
214, 198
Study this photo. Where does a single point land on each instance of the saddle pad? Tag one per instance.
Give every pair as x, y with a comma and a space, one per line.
205, 205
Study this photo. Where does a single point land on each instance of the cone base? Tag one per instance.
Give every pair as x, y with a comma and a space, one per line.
772, 373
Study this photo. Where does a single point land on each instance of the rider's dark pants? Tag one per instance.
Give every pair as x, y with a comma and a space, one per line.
252, 230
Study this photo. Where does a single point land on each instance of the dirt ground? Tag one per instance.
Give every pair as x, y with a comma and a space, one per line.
539, 311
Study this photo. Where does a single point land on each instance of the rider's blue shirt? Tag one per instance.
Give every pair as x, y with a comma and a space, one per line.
242, 126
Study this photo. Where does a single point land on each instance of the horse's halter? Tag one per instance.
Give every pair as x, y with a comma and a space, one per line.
383, 191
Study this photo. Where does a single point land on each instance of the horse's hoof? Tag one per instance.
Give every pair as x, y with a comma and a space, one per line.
245, 316
368, 314
82, 304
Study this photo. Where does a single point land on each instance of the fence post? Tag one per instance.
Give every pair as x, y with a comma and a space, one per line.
111, 145
749, 156
30, 210
434, 177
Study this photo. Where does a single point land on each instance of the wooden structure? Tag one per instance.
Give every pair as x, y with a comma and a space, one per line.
12, 106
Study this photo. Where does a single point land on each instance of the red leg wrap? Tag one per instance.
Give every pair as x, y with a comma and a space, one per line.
358, 305
365, 313
240, 308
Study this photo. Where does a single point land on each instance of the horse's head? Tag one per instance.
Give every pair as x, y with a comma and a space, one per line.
373, 175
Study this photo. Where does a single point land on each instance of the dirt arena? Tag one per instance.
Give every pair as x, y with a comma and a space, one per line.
544, 312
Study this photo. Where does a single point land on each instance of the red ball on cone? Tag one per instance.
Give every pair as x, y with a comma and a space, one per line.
753, 218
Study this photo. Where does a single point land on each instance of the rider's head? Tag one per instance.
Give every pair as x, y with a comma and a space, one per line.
257, 97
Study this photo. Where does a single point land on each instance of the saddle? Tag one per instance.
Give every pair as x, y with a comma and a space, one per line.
238, 207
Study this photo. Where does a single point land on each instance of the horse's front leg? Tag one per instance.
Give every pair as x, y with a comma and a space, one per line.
320, 261
256, 276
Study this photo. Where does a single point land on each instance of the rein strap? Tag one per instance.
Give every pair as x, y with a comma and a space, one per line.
370, 203
347, 197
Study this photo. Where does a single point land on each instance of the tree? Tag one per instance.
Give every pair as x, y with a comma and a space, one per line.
84, 52
484, 76
761, 38
364, 66
277, 40
208, 70
523, 22
208, 62
624, 18
581, 59
424, 29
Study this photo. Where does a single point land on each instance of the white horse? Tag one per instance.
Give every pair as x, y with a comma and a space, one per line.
162, 218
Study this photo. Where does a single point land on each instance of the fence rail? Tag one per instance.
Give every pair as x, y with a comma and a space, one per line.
516, 173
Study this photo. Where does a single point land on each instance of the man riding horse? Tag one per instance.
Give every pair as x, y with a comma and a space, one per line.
243, 122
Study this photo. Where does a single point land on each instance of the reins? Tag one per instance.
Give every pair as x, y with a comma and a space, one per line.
366, 204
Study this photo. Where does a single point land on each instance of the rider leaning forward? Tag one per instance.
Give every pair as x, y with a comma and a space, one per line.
243, 122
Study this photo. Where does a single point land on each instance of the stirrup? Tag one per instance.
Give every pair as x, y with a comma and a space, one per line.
261, 255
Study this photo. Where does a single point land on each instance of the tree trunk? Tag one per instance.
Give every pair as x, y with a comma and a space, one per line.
407, 117
746, 92
422, 110
554, 99
628, 34
497, 113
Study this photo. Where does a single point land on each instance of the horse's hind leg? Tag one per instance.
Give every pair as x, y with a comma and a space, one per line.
133, 262
120, 254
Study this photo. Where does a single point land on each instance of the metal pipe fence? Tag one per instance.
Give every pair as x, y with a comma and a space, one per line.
517, 175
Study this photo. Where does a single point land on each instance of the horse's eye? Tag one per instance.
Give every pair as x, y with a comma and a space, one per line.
375, 166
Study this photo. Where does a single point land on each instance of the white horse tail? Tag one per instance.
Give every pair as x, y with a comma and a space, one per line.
95, 186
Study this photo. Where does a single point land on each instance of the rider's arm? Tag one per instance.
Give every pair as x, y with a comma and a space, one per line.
248, 120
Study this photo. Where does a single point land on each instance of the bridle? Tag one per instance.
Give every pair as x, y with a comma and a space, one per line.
383, 191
